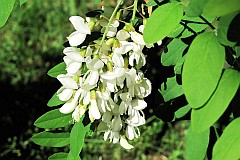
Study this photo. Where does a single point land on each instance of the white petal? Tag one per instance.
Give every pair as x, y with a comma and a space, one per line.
76, 38
115, 137
139, 104
122, 35
124, 143
94, 64
93, 77
112, 32
73, 67
73, 54
67, 81
141, 28
115, 23
68, 107
65, 95
93, 109
118, 60
130, 132
159, 42
79, 25
137, 38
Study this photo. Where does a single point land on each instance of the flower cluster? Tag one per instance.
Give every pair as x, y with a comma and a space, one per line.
105, 80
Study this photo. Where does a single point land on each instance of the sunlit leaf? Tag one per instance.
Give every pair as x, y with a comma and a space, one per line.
222, 30
53, 119
228, 145
58, 69
153, 3
6, 7
196, 144
54, 101
174, 54
97, 1
206, 116
163, 20
195, 8
202, 69
173, 90
195, 23
51, 139
58, 156
22, 2
221, 7
182, 111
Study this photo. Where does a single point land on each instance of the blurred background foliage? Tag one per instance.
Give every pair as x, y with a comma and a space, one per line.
30, 44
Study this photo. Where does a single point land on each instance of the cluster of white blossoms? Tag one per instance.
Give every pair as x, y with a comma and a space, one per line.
105, 80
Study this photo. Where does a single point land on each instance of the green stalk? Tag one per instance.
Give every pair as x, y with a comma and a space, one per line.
134, 11
109, 23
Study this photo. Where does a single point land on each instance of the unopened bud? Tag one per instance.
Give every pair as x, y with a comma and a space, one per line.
109, 66
110, 41
118, 15
128, 27
76, 78
102, 88
93, 94
116, 43
82, 52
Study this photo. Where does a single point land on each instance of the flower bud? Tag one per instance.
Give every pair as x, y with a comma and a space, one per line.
109, 66
93, 94
116, 43
82, 52
110, 41
128, 27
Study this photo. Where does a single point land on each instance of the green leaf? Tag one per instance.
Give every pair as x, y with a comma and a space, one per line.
223, 29
237, 50
195, 23
202, 69
51, 139
54, 101
97, 1
22, 2
58, 69
173, 90
196, 144
221, 7
182, 111
77, 138
206, 116
58, 156
195, 8
163, 21
228, 145
178, 66
6, 7
174, 54
152, 3
53, 119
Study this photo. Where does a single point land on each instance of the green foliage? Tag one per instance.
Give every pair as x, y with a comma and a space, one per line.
227, 147
77, 136
196, 144
54, 101
58, 69
223, 28
202, 69
22, 2
182, 111
174, 54
195, 8
173, 90
58, 156
226, 88
152, 3
51, 139
222, 8
6, 8
171, 15
53, 119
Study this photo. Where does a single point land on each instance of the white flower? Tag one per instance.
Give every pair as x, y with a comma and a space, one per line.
122, 35
124, 143
94, 111
67, 81
131, 133
78, 112
77, 37
73, 60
